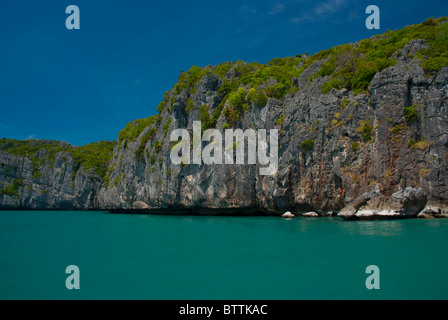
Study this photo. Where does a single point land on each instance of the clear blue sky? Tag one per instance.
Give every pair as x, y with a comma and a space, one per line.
82, 86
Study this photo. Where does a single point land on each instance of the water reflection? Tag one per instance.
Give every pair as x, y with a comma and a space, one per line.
386, 228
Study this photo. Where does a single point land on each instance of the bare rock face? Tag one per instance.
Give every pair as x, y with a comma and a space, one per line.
434, 210
405, 203
58, 186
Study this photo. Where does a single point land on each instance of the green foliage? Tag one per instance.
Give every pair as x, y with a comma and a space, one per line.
224, 92
158, 146
260, 99
23, 148
92, 156
277, 91
161, 106
286, 62
251, 95
396, 130
436, 35
164, 102
283, 70
37, 151
222, 69
237, 105
279, 121
419, 145
144, 141
237, 99
134, 128
95, 156
327, 68
434, 64
326, 87
36, 174
411, 113
166, 126
206, 121
189, 106
153, 132
232, 115
353, 67
13, 189
365, 129
348, 67
166, 95
355, 146
227, 88
307, 145
188, 80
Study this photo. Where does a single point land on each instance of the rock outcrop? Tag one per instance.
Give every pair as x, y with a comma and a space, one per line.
288, 214
333, 176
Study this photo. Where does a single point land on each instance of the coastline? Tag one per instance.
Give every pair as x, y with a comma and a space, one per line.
429, 212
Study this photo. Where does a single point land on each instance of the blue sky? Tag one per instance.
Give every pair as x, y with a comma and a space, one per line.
83, 86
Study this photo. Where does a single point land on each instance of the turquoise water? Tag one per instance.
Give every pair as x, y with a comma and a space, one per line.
167, 257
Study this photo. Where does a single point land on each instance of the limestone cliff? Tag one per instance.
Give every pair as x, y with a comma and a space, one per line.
363, 130
51, 175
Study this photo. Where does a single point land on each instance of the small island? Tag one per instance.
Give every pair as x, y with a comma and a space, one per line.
363, 134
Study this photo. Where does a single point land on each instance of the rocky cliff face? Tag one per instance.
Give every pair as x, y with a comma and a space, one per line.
57, 187
340, 167
48, 175
376, 152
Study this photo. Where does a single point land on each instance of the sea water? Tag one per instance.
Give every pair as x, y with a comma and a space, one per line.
190, 257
